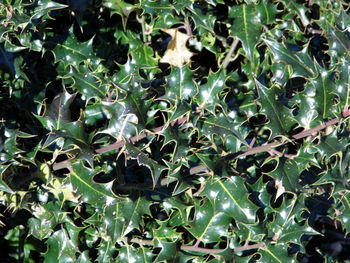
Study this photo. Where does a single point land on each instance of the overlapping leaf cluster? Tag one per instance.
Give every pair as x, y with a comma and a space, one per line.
110, 154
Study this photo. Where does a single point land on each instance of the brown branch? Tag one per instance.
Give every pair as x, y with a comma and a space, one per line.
119, 144
318, 128
271, 146
203, 168
260, 149
132, 187
230, 52
245, 247
62, 165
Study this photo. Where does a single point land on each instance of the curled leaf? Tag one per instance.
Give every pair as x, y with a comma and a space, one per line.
177, 54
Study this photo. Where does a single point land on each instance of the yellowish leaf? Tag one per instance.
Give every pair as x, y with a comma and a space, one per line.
280, 188
177, 54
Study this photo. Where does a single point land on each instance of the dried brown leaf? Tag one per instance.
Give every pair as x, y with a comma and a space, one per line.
177, 54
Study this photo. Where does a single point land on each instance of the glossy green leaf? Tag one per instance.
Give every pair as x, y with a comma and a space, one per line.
276, 254
44, 7
209, 225
230, 132
231, 197
106, 251
280, 117
284, 228
123, 216
121, 8
330, 145
72, 52
299, 9
342, 84
321, 92
180, 84
3, 185
204, 22
287, 173
209, 92
300, 62
247, 27
130, 254
120, 122
89, 83
81, 180
142, 54
61, 248
142, 159
170, 252
344, 216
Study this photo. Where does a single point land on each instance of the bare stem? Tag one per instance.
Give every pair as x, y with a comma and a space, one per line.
117, 145
230, 52
141, 20
62, 165
203, 168
271, 146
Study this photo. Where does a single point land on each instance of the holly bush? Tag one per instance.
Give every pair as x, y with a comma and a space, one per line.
174, 131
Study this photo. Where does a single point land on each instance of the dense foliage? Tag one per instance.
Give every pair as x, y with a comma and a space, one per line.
174, 130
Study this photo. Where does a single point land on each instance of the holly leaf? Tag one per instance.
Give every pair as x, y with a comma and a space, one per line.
209, 225
280, 117
121, 124
142, 54
180, 84
344, 216
142, 159
331, 145
342, 84
177, 54
121, 8
204, 21
44, 7
209, 92
122, 216
231, 197
267, 11
170, 252
57, 120
306, 113
286, 175
72, 52
81, 178
128, 253
247, 27
285, 228
321, 93
3, 185
230, 132
298, 9
89, 83
276, 253
300, 62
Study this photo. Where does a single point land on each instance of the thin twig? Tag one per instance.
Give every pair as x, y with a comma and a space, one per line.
203, 168
271, 146
119, 144
141, 20
230, 52
62, 165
